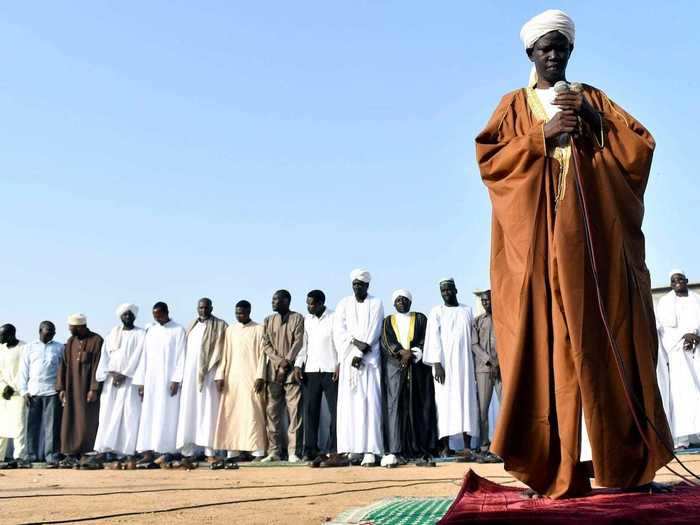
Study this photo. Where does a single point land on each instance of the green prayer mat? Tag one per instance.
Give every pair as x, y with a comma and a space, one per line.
398, 511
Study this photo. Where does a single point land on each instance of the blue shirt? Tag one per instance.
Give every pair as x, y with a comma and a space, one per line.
39, 367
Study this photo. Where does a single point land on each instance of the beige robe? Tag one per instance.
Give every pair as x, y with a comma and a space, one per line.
241, 421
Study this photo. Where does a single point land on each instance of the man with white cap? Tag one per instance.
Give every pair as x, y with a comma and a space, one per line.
158, 378
120, 404
78, 389
678, 319
356, 330
448, 349
408, 395
566, 170
199, 398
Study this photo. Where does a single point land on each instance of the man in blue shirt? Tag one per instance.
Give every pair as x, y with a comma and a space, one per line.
37, 378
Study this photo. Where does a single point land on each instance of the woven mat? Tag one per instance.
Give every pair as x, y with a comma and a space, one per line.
397, 511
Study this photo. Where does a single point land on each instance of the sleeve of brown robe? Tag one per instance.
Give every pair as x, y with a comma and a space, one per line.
62, 369
297, 339
267, 346
96, 353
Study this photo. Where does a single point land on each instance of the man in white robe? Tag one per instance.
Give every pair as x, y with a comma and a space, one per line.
158, 377
199, 398
356, 331
240, 427
678, 318
448, 349
120, 404
13, 409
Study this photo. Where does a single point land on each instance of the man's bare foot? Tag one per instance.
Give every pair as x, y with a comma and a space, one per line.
654, 488
529, 493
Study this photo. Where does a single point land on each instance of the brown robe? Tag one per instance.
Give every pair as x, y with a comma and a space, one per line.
76, 376
554, 355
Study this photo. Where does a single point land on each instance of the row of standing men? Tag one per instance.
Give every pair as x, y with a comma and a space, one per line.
396, 387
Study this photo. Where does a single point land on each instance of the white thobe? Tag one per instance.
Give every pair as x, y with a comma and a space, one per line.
359, 419
162, 362
676, 317
448, 342
198, 409
12, 411
120, 407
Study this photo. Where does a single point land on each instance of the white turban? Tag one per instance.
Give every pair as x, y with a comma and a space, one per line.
401, 293
77, 320
550, 20
446, 280
360, 275
127, 307
674, 272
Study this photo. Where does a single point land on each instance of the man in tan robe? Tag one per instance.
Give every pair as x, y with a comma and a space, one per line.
555, 357
79, 390
240, 426
283, 337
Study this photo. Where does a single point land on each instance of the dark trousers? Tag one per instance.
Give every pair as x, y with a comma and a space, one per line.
485, 383
43, 414
315, 385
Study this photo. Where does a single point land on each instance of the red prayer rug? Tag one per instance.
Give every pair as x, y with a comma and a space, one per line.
483, 501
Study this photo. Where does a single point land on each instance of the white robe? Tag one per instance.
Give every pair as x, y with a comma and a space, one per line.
120, 407
12, 411
448, 342
162, 362
676, 317
359, 419
198, 409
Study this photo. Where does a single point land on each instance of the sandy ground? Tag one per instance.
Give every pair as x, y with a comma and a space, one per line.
250, 495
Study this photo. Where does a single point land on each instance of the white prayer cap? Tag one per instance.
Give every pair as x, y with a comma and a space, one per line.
446, 280
360, 275
127, 307
550, 20
481, 292
77, 320
401, 293
674, 272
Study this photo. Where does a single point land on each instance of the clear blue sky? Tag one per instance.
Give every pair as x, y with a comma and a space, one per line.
169, 150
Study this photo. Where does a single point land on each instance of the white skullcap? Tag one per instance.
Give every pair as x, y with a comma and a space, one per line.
550, 20
674, 272
77, 320
481, 292
127, 307
446, 280
401, 293
360, 275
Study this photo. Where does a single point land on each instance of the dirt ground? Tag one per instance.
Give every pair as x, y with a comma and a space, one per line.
250, 495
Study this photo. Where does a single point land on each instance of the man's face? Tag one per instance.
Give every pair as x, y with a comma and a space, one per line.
314, 308
127, 318
204, 309
486, 301
359, 289
448, 291
402, 304
242, 314
161, 316
77, 329
5, 335
47, 332
280, 303
550, 55
679, 283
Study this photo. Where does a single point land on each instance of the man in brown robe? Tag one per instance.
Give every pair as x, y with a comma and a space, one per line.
78, 390
555, 357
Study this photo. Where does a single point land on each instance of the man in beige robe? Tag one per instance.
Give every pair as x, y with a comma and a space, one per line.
240, 426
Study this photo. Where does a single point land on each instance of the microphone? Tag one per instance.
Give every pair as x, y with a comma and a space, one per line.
562, 86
